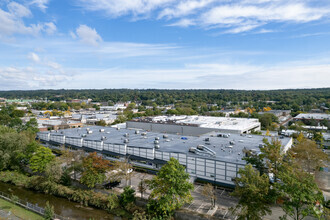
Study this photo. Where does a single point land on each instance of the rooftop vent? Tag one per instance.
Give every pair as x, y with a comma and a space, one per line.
102, 130
126, 141
156, 138
156, 142
144, 133
87, 129
89, 132
165, 136
118, 128
207, 139
232, 142
192, 150
126, 135
103, 138
83, 135
136, 131
157, 146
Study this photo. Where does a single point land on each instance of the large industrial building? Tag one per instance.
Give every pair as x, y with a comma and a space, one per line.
195, 125
214, 157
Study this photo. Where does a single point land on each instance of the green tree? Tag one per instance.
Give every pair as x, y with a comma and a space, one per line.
54, 171
49, 211
252, 191
170, 189
127, 197
12, 146
299, 192
272, 153
101, 123
40, 159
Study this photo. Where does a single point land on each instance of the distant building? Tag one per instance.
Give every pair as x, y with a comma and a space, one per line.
277, 113
312, 116
195, 125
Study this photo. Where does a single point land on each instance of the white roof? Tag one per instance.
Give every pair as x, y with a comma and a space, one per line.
317, 116
210, 122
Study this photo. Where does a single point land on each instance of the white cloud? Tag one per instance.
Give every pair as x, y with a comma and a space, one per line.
18, 10
206, 76
184, 8
183, 23
231, 16
50, 28
115, 8
42, 4
88, 35
34, 57
11, 22
29, 78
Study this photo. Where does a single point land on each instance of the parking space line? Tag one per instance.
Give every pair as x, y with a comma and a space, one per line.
200, 207
191, 205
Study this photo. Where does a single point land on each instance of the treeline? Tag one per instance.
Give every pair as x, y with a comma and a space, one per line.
295, 99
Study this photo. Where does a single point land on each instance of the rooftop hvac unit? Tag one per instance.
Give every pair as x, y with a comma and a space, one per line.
101, 130
156, 142
200, 147
118, 128
89, 132
192, 150
229, 146
232, 142
207, 139
136, 131
126, 135
241, 141
157, 146
144, 133
87, 129
225, 135
156, 138
126, 141
62, 132
103, 138
83, 135
167, 140
165, 136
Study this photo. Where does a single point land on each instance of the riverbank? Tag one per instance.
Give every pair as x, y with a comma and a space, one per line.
68, 202
17, 211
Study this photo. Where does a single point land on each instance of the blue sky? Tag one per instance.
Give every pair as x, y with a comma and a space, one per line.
212, 44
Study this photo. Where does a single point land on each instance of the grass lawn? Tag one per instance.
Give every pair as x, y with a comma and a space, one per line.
18, 211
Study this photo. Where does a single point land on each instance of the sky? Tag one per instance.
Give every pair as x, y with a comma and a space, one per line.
164, 44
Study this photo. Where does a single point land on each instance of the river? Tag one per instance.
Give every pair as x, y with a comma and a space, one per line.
62, 206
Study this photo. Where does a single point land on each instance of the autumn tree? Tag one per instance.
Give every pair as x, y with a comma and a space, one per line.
170, 189
41, 158
308, 156
252, 191
299, 192
209, 192
95, 168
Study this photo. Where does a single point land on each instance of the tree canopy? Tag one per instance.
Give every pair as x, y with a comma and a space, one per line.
170, 189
